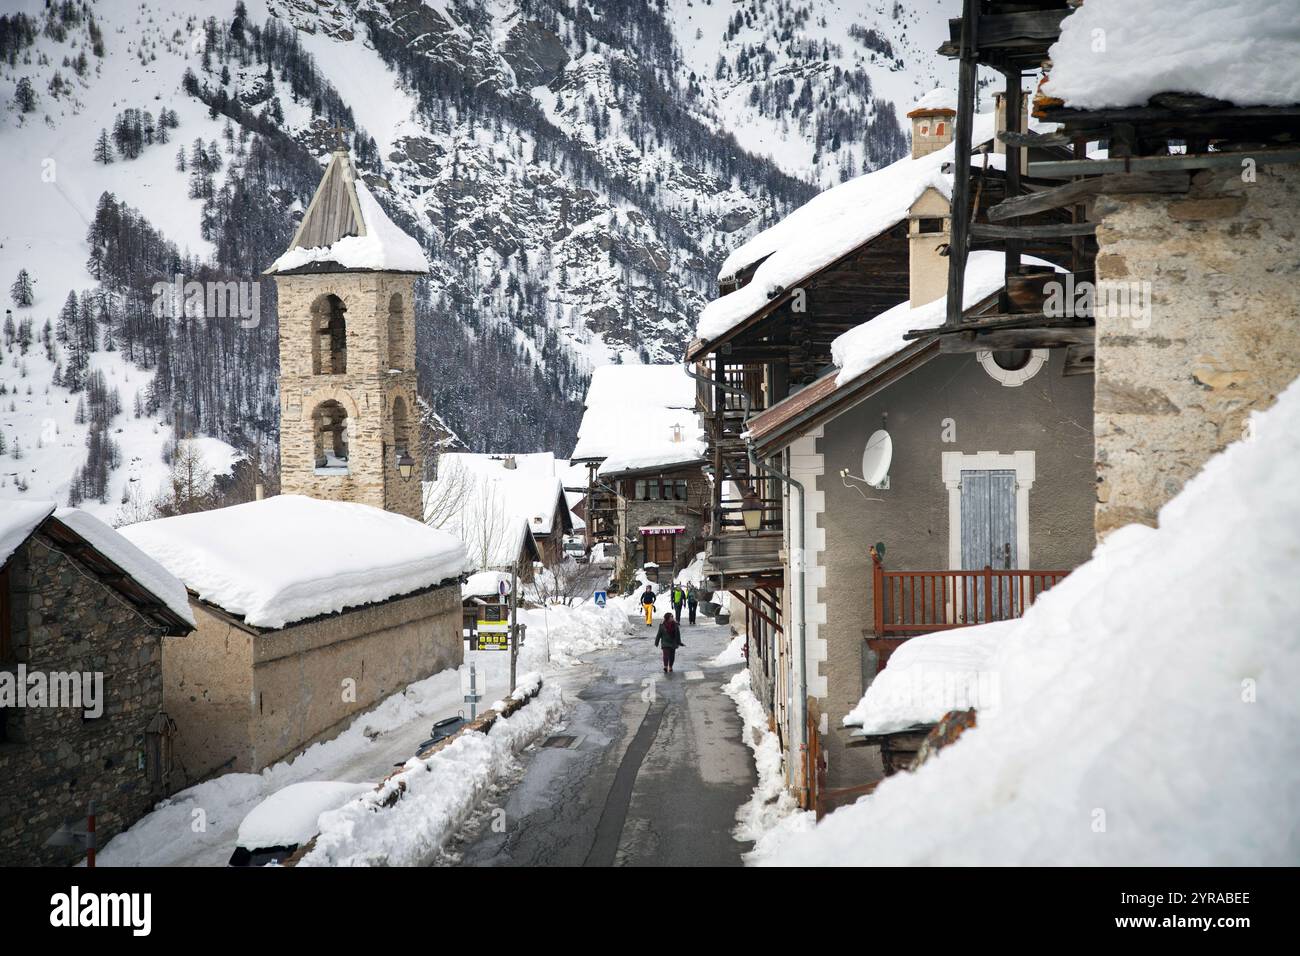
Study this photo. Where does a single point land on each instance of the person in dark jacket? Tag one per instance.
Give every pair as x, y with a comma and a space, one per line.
669, 638
692, 601
648, 604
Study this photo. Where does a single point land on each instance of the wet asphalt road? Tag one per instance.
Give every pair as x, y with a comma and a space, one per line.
647, 770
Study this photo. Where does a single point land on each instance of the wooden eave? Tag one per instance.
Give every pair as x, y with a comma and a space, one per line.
699, 348
115, 577
671, 469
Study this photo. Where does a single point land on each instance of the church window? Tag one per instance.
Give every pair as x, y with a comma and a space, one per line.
330, 428
329, 336
396, 333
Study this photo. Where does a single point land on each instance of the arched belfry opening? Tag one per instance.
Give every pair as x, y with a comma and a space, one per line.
330, 431
401, 427
329, 336
397, 357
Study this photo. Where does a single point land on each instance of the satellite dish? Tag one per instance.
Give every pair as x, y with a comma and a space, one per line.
876, 458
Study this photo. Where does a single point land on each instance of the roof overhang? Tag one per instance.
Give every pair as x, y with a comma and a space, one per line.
702, 347
776, 427
657, 469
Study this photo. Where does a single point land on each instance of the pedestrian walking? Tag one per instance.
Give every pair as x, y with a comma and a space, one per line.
669, 639
648, 604
692, 601
679, 598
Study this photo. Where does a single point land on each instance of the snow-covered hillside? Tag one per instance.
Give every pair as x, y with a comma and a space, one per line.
820, 86
569, 168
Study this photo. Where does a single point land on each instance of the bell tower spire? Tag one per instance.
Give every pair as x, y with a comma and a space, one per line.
348, 429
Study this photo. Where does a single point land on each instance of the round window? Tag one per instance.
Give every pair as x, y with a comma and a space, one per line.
1012, 367
1011, 360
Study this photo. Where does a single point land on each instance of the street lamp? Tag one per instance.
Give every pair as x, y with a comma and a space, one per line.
405, 464
752, 513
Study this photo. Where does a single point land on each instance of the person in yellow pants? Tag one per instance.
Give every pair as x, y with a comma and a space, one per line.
648, 604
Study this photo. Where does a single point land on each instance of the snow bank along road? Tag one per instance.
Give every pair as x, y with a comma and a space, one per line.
647, 770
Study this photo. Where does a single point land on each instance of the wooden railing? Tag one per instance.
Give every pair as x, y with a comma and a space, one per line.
907, 603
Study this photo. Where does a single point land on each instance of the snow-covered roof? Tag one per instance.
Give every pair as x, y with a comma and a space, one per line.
484, 584
141, 568
929, 676
939, 98
19, 519
1117, 689
1246, 52
639, 416
830, 225
346, 228
865, 346
289, 558
288, 817
532, 489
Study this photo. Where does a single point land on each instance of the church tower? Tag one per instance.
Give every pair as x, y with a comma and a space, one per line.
348, 428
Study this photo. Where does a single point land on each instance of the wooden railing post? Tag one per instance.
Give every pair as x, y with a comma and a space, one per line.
988, 594
877, 594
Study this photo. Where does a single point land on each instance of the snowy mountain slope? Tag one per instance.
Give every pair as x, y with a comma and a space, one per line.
573, 185
820, 86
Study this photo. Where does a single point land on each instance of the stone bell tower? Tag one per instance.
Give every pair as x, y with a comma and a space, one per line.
348, 427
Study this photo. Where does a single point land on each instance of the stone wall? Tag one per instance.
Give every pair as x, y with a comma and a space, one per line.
1222, 339
380, 370
243, 700
55, 760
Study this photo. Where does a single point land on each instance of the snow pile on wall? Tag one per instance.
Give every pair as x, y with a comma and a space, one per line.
439, 795
828, 226
384, 247
290, 557
1115, 53
931, 675
1148, 706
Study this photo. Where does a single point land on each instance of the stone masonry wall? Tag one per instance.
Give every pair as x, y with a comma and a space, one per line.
1223, 338
378, 373
54, 760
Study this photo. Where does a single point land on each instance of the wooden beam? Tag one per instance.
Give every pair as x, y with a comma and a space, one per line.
1038, 338
1095, 167
959, 238
1053, 230
1084, 189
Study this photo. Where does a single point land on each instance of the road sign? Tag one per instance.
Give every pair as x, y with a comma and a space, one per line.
601, 598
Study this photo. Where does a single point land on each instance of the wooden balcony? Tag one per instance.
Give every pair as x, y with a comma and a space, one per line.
908, 603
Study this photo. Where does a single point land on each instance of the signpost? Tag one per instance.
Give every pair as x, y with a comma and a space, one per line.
472, 696
601, 598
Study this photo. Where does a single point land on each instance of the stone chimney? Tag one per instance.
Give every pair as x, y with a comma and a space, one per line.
509, 463
932, 121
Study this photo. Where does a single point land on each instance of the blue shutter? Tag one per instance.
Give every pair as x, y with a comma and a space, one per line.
988, 534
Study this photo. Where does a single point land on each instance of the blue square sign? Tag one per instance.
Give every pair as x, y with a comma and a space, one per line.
601, 597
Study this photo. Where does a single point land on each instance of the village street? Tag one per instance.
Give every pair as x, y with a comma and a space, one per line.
647, 769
